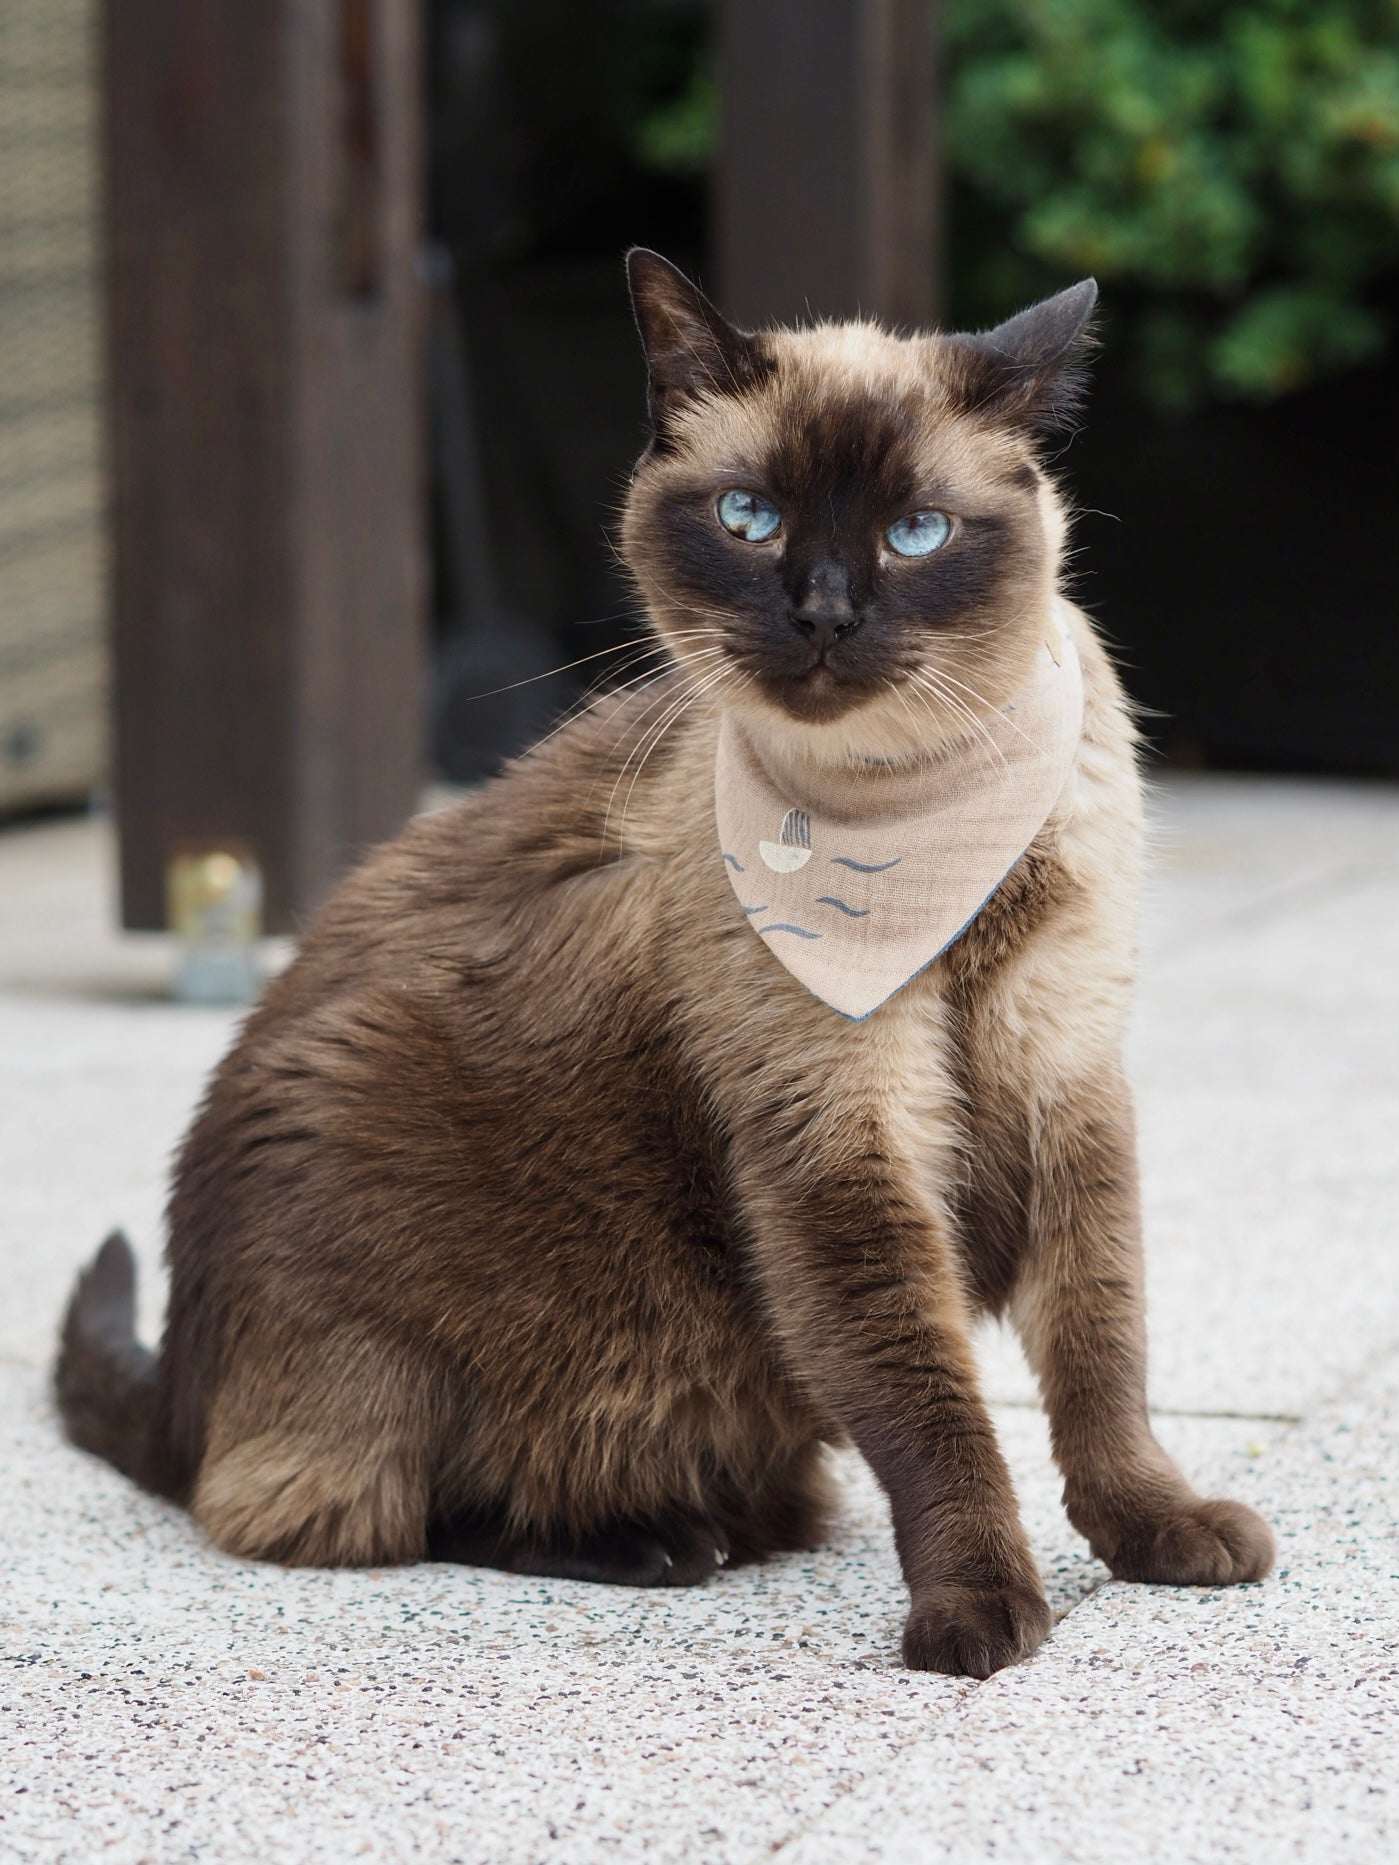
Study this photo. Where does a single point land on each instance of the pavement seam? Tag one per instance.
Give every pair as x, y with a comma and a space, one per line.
1181, 1411
969, 1699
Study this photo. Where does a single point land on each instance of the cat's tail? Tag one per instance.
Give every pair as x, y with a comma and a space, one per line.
104, 1379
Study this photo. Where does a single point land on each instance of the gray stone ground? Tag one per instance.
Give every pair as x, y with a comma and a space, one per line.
162, 1703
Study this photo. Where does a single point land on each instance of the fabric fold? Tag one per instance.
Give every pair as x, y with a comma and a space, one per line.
857, 878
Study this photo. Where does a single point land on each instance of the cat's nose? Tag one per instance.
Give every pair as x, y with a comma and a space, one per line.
821, 608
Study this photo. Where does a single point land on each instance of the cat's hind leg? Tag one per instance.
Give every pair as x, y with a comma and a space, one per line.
783, 1507
322, 1463
292, 1498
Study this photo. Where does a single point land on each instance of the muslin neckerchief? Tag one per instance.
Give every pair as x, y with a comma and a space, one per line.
858, 878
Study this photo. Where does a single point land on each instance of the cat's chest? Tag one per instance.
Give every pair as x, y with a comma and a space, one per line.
900, 1069
969, 1031
980, 1016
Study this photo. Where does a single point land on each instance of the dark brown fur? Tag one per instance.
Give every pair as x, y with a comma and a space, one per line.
538, 1218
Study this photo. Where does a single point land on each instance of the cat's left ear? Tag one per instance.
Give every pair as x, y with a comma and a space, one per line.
690, 348
1030, 372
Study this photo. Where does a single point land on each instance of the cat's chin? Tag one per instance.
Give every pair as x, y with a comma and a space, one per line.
844, 726
816, 697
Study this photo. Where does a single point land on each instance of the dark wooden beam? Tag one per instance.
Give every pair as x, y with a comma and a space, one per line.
262, 196
828, 185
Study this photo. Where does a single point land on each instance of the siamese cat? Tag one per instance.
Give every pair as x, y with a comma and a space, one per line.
554, 1210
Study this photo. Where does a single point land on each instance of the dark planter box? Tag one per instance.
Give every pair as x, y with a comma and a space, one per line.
1249, 574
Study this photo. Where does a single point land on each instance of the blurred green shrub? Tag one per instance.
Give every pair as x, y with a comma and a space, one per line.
1229, 170
1234, 166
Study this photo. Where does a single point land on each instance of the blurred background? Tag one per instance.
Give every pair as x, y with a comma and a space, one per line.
318, 384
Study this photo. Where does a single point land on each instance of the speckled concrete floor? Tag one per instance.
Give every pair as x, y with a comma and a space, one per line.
160, 1703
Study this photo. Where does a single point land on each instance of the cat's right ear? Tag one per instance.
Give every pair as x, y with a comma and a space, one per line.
690, 349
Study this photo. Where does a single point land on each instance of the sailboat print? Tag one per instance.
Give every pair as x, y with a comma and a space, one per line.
792, 849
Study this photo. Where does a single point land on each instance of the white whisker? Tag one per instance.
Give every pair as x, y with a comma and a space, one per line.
981, 700
714, 679
652, 737
930, 680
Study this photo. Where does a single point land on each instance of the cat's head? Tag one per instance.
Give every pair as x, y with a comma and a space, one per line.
847, 533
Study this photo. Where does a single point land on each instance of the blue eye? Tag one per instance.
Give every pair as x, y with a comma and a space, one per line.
920, 534
748, 515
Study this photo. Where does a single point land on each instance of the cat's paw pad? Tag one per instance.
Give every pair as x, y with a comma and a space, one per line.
1200, 1544
972, 1631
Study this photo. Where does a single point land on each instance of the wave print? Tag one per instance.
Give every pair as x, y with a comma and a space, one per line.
751, 910
734, 862
865, 867
782, 926
855, 913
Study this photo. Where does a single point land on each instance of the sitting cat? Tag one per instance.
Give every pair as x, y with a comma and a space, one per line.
585, 1175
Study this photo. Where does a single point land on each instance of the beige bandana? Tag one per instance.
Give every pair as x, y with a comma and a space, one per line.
858, 879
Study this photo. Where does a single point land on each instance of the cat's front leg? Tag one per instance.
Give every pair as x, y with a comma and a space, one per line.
859, 1279
1078, 1305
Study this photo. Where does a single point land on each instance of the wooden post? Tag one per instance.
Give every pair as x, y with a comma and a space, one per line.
828, 195
262, 173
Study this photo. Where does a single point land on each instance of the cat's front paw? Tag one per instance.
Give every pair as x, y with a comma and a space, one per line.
1195, 1544
972, 1631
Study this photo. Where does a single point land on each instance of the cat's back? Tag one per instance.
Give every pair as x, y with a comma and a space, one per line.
466, 993
491, 980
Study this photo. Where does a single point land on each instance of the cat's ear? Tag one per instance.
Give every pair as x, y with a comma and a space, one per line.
690, 349
1030, 372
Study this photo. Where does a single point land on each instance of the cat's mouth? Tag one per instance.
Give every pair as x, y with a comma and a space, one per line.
817, 693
